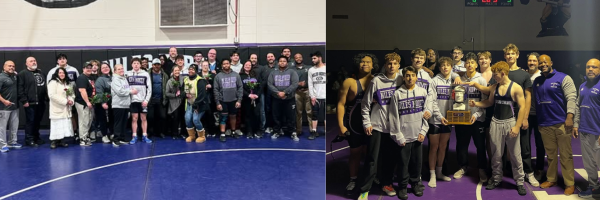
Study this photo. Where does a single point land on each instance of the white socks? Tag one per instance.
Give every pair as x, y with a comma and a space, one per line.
432, 182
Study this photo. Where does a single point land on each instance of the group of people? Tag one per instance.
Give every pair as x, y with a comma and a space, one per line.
387, 116
205, 99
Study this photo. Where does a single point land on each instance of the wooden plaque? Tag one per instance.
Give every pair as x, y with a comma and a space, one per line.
458, 117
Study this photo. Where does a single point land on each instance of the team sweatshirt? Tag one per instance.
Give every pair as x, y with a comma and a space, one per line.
228, 87
139, 80
555, 96
71, 71
476, 95
406, 114
588, 107
317, 80
380, 91
441, 92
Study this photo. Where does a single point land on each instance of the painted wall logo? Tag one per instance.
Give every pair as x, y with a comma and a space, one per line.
60, 3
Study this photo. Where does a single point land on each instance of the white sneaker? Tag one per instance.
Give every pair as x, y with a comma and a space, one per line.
269, 130
432, 182
443, 177
482, 176
351, 185
389, 190
532, 180
295, 137
460, 173
105, 139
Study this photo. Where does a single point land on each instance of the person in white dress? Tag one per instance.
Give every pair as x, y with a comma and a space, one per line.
60, 91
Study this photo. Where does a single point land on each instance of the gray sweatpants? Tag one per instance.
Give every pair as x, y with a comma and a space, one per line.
590, 151
10, 118
500, 135
85, 115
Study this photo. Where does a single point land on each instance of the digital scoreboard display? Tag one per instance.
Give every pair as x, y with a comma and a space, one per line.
489, 3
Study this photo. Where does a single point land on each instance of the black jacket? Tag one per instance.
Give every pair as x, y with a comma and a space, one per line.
258, 91
202, 99
28, 91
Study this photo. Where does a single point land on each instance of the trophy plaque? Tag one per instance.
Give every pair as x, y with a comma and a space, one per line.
459, 113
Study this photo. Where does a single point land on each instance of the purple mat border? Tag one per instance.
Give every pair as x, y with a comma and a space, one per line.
161, 46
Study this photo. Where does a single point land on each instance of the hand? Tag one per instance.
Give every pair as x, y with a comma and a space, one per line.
134, 91
89, 105
238, 104
281, 94
569, 124
444, 121
105, 106
421, 138
145, 104
426, 115
343, 130
525, 124
213, 71
514, 132
178, 93
457, 81
575, 133
26, 105
403, 144
7, 103
473, 119
472, 103
219, 107
369, 130
208, 86
70, 102
470, 84
313, 101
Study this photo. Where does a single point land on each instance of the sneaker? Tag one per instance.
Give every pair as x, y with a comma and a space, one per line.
269, 130
115, 143
258, 135
350, 186
418, 189
483, 176
402, 194
122, 142
228, 132
249, 136
52, 144
531, 179
145, 139
389, 190
15, 146
442, 177
364, 196
521, 190
4, 149
274, 136
313, 135
84, 144
460, 173
133, 140
239, 132
105, 139
222, 138
589, 193
492, 185
296, 139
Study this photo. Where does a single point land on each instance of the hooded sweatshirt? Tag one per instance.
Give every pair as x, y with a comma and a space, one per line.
406, 114
283, 81
555, 96
380, 91
588, 107
476, 95
441, 92
71, 71
120, 92
423, 81
140, 81
228, 87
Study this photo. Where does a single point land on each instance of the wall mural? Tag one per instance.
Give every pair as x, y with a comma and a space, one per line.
60, 3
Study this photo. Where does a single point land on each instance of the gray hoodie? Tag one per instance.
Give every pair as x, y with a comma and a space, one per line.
441, 92
380, 91
120, 92
476, 95
406, 114
228, 87
140, 80
283, 81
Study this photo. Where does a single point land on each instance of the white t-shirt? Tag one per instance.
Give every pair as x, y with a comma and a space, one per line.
317, 82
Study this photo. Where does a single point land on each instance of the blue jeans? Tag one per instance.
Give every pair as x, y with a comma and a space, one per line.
263, 119
192, 118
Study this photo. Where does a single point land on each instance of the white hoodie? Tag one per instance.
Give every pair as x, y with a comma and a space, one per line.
441, 92
406, 114
71, 71
380, 92
476, 95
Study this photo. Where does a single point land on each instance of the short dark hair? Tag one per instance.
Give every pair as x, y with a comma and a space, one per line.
317, 54
61, 55
234, 52
536, 54
179, 57
408, 69
225, 59
270, 53
282, 56
198, 52
457, 48
144, 58
136, 59
284, 48
359, 57
471, 56
251, 55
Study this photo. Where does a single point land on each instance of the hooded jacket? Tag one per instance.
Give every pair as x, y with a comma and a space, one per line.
375, 103
406, 114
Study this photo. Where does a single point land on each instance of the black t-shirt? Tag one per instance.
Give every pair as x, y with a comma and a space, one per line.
41, 83
85, 83
518, 76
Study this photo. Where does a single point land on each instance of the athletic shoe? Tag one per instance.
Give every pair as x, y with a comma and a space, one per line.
521, 190
418, 189
4, 149
239, 132
590, 193
350, 186
122, 142
295, 137
259, 135
145, 139
402, 194
249, 135
313, 135
389, 190
269, 130
222, 138
15, 146
84, 144
460, 173
274, 136
228, 132
531, 179
133, 140
105, 139
115, 143
363, 196
492, 184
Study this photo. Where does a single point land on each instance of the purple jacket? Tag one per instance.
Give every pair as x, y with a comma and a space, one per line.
588, 102
555, 96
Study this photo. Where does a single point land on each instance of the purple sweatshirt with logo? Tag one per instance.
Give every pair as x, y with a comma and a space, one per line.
555, 96
587, 117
